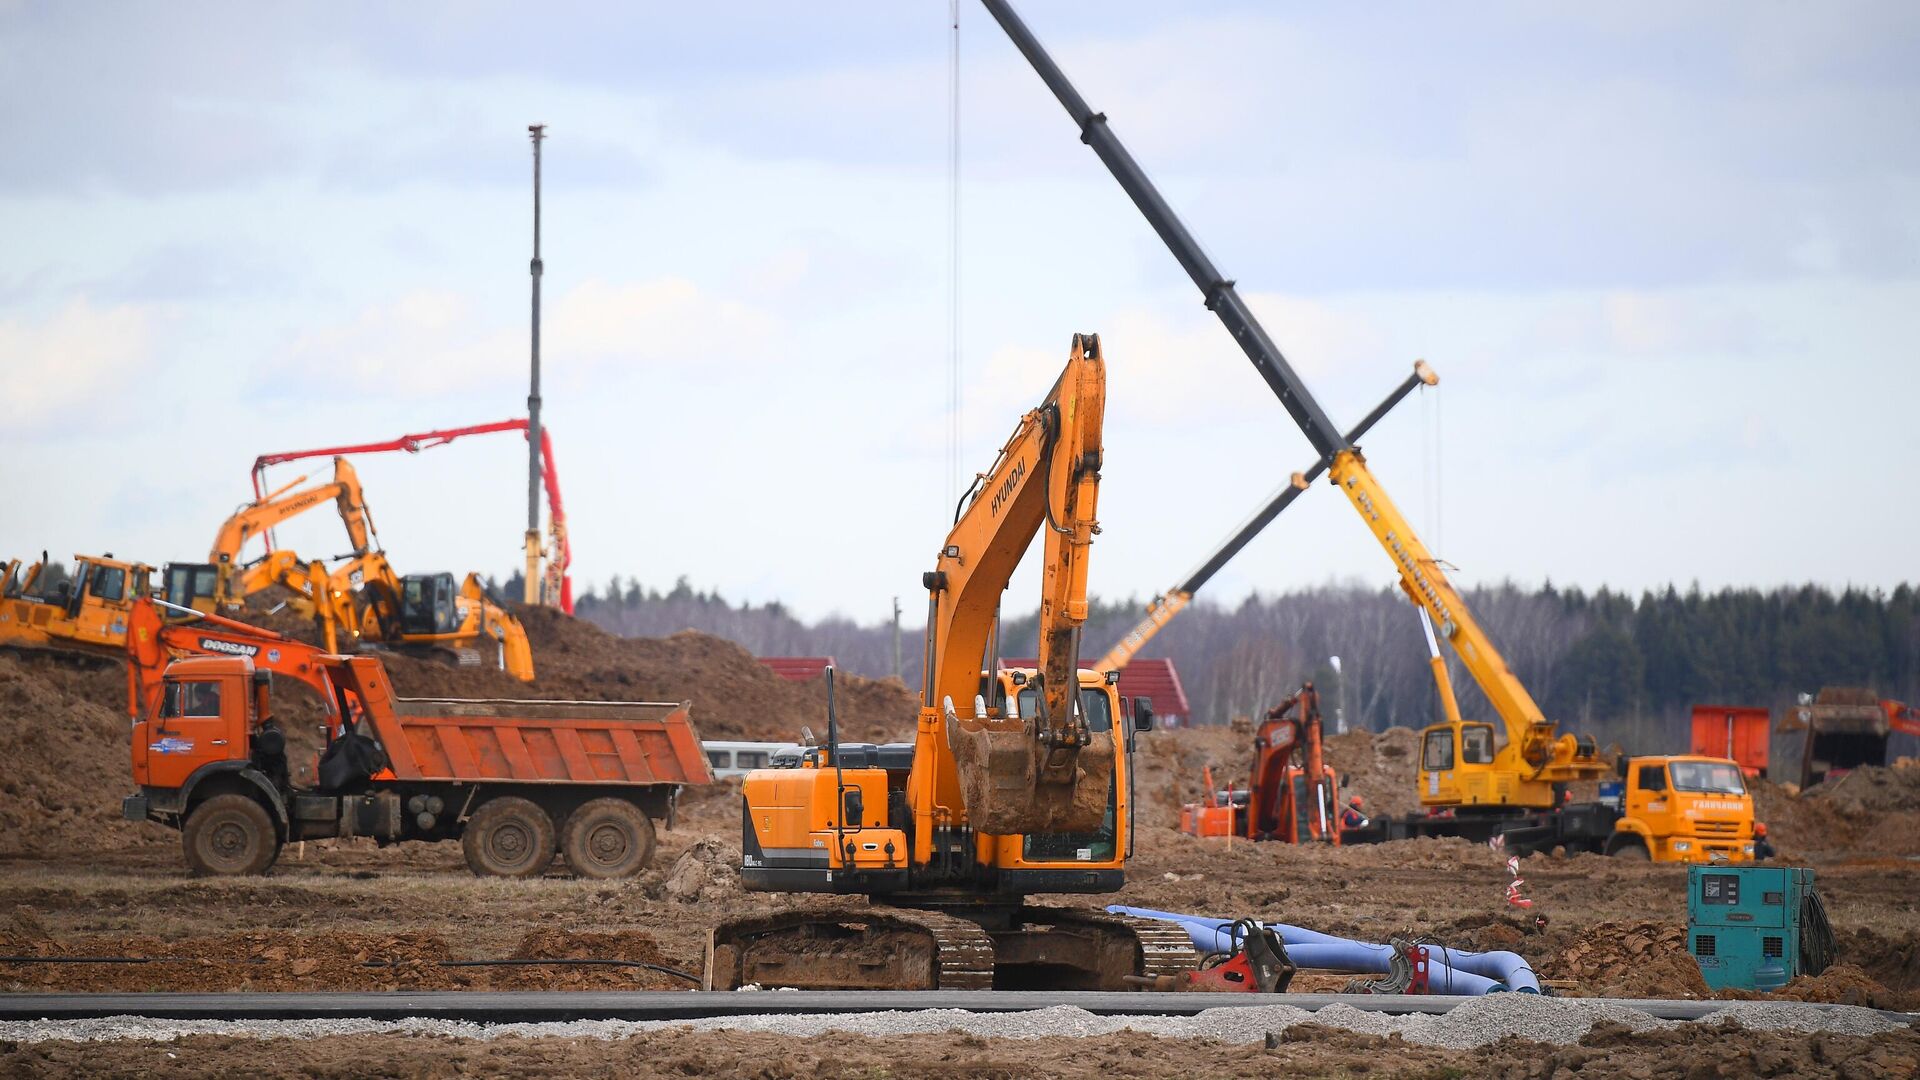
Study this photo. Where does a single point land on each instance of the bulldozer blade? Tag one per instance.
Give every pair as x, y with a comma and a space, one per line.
1005, 779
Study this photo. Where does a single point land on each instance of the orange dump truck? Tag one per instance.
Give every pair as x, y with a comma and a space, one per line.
1739, 733
513, 781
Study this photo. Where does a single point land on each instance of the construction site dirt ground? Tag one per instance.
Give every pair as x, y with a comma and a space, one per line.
76, 881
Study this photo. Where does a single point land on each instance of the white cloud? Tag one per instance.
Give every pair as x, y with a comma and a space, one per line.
436, 343
81, 354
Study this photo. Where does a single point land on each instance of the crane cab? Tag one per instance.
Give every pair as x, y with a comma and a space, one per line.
192, 585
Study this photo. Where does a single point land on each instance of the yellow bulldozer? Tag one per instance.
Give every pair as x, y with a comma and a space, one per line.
84, 611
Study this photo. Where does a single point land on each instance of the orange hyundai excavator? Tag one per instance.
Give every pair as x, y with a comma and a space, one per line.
224, 581
1017, 782
364, 600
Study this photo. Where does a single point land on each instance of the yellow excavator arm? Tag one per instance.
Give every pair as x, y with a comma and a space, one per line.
258, 517
1048, 772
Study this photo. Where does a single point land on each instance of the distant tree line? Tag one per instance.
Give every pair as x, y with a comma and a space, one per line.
1625, 669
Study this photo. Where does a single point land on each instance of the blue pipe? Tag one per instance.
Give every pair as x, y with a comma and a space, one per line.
1449, 971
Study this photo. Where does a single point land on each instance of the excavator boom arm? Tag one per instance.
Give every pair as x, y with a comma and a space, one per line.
268, 510
1048, 772
1046, 476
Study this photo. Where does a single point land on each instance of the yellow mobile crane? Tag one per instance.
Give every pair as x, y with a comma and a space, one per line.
1017, 782
1477, 785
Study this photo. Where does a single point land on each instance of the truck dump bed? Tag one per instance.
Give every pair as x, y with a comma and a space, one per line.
538, 742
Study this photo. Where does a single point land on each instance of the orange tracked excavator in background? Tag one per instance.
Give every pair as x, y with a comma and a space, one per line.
361, 601
225, 580
1280, 800
1017, 782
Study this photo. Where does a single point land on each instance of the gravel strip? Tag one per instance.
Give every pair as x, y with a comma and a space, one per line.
1472, 1024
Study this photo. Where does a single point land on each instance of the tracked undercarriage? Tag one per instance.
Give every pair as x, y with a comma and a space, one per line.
858, 946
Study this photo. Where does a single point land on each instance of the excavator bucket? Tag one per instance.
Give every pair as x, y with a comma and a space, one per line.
1013, 785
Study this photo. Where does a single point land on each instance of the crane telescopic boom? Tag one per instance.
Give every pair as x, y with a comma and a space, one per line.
1175, 600
1534, 757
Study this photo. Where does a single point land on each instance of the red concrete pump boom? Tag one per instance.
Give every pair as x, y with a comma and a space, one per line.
562, 557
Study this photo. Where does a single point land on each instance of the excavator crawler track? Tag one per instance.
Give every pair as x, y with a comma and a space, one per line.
850, 947
860, 947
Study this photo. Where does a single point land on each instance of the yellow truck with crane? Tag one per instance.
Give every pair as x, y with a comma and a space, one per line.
1476, 784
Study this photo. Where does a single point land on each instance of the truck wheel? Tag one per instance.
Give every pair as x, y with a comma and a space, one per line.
508, 837
607, 838
1632, 851
230, 834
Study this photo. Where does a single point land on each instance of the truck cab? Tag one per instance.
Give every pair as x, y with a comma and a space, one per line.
206, 715
1688, 809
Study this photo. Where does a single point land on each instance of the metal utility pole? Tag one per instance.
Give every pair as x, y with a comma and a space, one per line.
896, 638
531, 594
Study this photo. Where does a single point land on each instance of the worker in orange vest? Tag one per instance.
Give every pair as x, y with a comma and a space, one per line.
1352, 817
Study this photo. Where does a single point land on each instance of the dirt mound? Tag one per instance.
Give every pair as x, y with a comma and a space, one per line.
707, 872
734, 696
1870, 789
63, 727
1846, 984
1380, 768
1644, 959
1172, 764
1871, 810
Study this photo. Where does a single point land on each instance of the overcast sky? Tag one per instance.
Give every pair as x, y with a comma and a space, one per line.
1666, 259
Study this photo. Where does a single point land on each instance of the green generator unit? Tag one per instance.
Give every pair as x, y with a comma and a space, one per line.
1756, 927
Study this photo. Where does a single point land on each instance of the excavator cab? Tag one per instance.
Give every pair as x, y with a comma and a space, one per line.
191, 585
427, 604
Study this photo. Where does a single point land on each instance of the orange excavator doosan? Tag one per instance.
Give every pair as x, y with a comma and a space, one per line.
1016, 783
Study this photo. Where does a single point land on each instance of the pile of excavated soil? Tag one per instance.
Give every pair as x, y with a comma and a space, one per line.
1870, 811
734, 696
1871, 789
1380, 768
63, 721
63, 731
1644, 959
1172, 765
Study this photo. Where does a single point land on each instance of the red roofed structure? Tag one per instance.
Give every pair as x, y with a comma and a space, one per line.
799, 668
1155, 680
